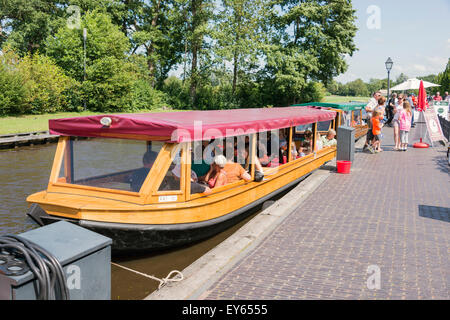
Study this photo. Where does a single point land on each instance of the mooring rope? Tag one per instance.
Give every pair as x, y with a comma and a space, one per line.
178, 275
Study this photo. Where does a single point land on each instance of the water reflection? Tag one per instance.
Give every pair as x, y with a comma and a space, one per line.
26, 170
23, 171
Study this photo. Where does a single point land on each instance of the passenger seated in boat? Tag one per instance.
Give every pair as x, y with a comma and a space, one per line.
259, 173
308, 135
200, 166
269, 161
234, 171
137, 178
328, 140
195, 186
217, 177
304, 149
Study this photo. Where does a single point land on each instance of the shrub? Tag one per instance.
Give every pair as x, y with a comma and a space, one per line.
177, 94
312, 92
108, 86
46, 85
12, 92
145, 97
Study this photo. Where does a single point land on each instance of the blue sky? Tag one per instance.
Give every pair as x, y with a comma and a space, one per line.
414, 33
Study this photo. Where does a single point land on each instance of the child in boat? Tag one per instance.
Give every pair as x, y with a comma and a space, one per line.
304, 149
377, 115
404, 118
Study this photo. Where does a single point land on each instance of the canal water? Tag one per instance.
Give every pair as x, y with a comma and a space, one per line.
26, 170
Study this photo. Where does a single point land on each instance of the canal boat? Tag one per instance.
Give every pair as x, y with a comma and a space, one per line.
353, 114
131, 176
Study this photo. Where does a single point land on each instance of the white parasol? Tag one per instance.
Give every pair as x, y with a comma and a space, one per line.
412, 84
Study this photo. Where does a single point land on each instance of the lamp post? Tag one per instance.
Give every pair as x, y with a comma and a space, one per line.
84, 61
389, 63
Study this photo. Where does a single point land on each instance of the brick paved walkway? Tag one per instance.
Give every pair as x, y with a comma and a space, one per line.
392, 212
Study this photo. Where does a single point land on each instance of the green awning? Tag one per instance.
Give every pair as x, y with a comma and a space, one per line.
345, 106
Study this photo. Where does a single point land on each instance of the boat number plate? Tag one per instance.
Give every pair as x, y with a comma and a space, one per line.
167, 198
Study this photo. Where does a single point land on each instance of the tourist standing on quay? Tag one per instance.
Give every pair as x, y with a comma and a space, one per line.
437, 97
396, 122
446, 96
390, 109
377, 116
405, 117
371, 105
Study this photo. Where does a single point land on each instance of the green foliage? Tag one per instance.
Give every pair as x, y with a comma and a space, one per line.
104, 39
444, 78
234, 54
108, 86
29, 22
177, 93
109, 77
144, 96
313, 92
46, 84
12, 91
357, 88
33, 84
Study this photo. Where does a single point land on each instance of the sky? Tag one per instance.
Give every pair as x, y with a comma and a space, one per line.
414, 33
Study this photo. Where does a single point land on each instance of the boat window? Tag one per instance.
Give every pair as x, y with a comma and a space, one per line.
172, 179
324, 125
303, 128
202, 155
356, 117
108, 163
364, 116
303, 141
267, 148
346, 116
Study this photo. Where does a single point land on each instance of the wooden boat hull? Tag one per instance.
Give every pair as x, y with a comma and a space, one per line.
154, 218
146, 237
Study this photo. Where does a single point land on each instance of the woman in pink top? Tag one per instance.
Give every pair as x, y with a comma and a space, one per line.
404, 118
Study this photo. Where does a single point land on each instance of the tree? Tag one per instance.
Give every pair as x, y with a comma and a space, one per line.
104, 39
25, 24
444, 78
200, 13
323, 30
13, 92
307, 40
357, 88
46, 84
110, 78
238, 35
158, 28
401, 78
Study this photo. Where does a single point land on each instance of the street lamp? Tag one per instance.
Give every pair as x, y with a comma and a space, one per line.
389, 63
84, 61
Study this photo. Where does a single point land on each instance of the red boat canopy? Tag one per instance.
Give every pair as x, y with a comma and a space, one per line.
189, 125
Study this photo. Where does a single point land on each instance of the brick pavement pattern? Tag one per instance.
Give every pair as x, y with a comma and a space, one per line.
392, 212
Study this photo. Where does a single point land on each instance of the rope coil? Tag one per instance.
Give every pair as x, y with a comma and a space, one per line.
162, 282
